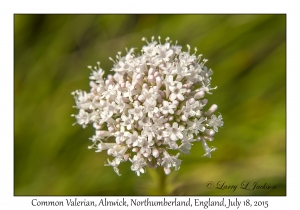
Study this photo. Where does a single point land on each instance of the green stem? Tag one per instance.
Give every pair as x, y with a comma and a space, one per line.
162, 181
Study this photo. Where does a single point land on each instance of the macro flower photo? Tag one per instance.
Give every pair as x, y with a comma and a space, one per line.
149, 105
152, 104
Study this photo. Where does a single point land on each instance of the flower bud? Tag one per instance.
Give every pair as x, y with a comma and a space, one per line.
199, 95
158, 80
126, 157
167, 125
156, 74
103, 133
210, 132
151, 71
151, 78
110, 78
155, 152
116, 77
167, 171
107, 82
211, 110
135, 149
109, 151
204, 101
141, 98
145, 86
192, 100
183, 118
175, 102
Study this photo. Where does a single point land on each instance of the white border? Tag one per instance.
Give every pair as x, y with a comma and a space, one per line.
8, 8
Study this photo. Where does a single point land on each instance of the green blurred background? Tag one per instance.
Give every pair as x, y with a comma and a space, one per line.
51, 53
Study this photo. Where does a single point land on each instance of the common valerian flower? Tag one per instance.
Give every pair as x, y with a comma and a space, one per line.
153, 103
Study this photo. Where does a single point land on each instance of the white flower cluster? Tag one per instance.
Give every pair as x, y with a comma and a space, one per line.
150, 107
